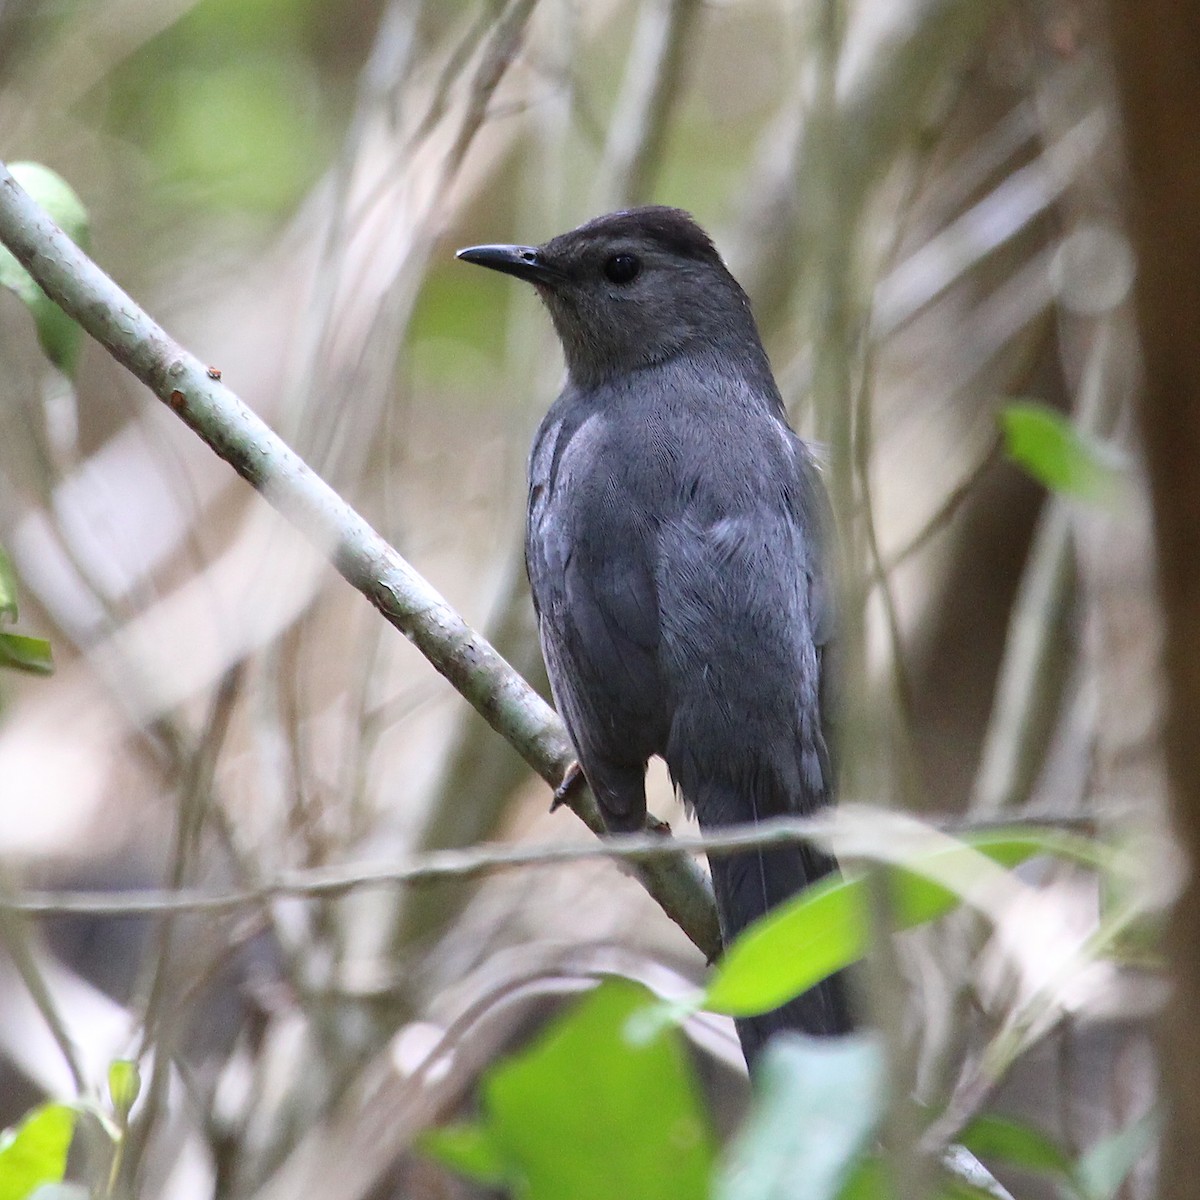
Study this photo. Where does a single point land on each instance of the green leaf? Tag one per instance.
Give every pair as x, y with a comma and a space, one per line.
8, 589
468, 1149
58, 334
1059, 455
827, 926
29, 654
588, 1113
124, 1084
35, 1152
817, 1105
17, 652
1003, 1139
867, 1180
793, 948
1103, 1168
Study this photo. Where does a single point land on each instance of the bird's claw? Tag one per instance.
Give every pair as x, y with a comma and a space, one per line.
654, 825
572, 778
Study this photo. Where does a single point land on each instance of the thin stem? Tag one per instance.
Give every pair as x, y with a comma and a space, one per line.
649, 96
331, 882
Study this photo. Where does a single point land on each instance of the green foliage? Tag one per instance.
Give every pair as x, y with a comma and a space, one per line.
818, 1104
1106, 1165
867, 1180
35, 1152
124, 1084
58, 334
8, 589
603, 1103
1097, 1175
228, 106
1059, 455
471, 1150
234, 22
18, 652
29, 654
827, 927
589, 1112
231, 133
1005, 1140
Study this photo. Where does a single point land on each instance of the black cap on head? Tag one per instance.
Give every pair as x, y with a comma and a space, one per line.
673, 229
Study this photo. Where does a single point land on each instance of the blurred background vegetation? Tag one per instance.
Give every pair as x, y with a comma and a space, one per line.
922, 198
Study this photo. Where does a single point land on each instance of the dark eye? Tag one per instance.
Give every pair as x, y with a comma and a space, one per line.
622, 268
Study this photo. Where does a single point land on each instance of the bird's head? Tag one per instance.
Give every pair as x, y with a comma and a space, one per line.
631, 289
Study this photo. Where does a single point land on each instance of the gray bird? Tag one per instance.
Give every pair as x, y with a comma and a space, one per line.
675, 548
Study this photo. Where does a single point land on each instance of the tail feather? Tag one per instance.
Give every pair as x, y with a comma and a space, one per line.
749, 885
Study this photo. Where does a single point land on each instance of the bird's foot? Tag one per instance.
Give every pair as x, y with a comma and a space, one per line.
654, 825
572, 779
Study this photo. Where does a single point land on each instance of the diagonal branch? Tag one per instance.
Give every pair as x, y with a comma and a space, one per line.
198, 397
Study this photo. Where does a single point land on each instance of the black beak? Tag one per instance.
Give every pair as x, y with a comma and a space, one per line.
525, 262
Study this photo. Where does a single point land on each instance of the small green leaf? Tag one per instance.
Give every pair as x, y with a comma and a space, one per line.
791, 949
589, 1113
468, 1149
826, 927
1103, 1168
17, 652
29, 654
124, 1084
8, 589
1059, 455
58, 334
1003, 1139
35, 1152
818, 1102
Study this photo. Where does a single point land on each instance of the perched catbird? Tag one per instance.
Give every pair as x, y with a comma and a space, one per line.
675, 550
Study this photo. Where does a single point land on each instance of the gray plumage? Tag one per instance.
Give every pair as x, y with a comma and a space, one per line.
675, 548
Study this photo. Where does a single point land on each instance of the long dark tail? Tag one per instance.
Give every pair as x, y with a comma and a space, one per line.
749, 885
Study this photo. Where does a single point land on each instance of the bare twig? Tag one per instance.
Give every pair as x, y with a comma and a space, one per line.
17, 937
1012, 206
648, 97
1023, 687
385, 68
883, 103
323, 882
507, 34
450, 72
1027, 1025
906, 767
161, 1019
